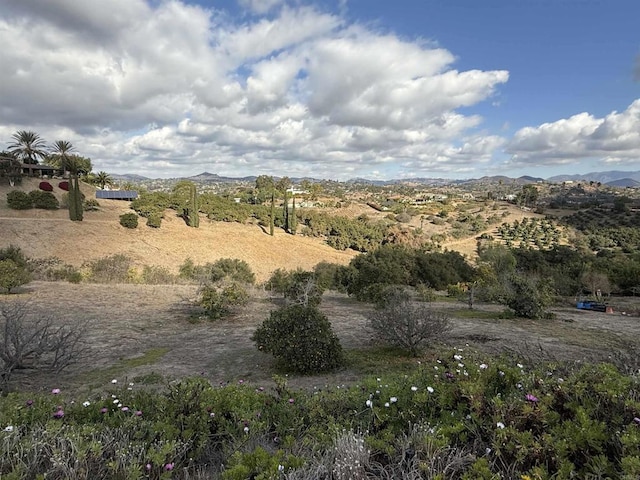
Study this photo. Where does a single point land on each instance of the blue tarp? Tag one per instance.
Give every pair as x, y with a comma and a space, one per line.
117, 194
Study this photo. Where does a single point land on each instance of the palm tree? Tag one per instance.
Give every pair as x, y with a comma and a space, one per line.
61, 157
102, 179
28, 146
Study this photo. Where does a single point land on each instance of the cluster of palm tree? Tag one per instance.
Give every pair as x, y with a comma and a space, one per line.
28, 147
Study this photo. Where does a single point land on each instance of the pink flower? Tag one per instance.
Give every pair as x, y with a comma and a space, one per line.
637, 420
291, 400
138, 413
55, 391
29, 403
148, 466
59, 413
531, 398
104, 410
125, 409
168, 467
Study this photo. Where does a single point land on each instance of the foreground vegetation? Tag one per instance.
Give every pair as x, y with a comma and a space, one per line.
456, 415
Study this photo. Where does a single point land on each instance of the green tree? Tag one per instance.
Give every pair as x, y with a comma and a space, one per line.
12, 275
102, 179
10, 167
28, 147
301, 339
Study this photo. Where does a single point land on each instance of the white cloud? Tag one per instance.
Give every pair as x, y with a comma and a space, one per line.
613, 139
167, 88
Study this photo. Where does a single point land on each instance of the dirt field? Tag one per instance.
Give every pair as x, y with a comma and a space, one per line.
142, 332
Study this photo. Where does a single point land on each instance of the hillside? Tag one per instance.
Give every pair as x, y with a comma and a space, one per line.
43, 234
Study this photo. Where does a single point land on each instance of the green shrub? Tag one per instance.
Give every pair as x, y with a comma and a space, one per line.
91, 204
155, 275
278, 281
301, 339
44, 200
231, 269
12, 275
19, 200
129, 220
218, 301
154, 220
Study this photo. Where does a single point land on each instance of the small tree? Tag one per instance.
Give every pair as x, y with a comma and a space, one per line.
30, 340
301, 339
129, 220
12, 275
406, 324
528, 296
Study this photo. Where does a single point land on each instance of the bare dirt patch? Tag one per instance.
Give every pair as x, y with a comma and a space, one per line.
138, 331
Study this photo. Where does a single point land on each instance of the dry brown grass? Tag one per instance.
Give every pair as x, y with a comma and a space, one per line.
43, 233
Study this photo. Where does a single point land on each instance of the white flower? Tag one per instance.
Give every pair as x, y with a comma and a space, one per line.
116, 401
519, 365
457, 357
393, 399
483, 366
119, 405
8, 428
487, 451
369, 403
114, 381
246, 429
414, 389
131, 384
86, 404
386, 404
461, 365
501, 373
212, 414
430, 389
500, 425
281, 468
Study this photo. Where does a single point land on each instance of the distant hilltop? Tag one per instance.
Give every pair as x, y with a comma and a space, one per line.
614, 178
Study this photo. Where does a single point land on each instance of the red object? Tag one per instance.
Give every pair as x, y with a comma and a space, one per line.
45, 186
64, 186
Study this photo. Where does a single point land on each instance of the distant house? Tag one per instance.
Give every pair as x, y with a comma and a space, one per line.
128, 195
39, 170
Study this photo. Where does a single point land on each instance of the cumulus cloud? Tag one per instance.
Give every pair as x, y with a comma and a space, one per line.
170, 88
612, 139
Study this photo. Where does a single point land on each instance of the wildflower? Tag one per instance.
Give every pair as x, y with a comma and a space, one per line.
29, 403
125, 409
116, 401
8, 428
86, 403
168, 467
55, 391
148, 466
281, 468
246, 429
449, 375
501, 373
483, 366
457, 357
519, 365
291, 400
241, 381
131, 384
500, 425
369, 403
119, 405
487, 451
530, 398
104, 410
114, 381
430, 389
637, 420
59, 413
461, 365
414, 389
386, 404
393, 399
138, 413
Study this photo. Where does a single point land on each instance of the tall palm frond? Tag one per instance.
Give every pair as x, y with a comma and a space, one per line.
28, 146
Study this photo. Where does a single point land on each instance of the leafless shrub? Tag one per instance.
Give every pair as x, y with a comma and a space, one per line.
29, 340
405, 323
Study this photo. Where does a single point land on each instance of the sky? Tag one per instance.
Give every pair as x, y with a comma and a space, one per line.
328, 89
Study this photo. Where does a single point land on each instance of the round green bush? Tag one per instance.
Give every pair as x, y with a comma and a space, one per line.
154, 220
219, 301
301, 339
19, 200
44, 200
129, 220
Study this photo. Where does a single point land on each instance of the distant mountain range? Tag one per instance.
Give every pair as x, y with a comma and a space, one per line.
614, 178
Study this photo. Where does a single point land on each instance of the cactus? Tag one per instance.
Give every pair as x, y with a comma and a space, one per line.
293, 222
75, 199
273, 212
193, 214
285, 212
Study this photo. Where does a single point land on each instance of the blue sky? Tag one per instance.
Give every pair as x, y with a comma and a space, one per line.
330, 89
